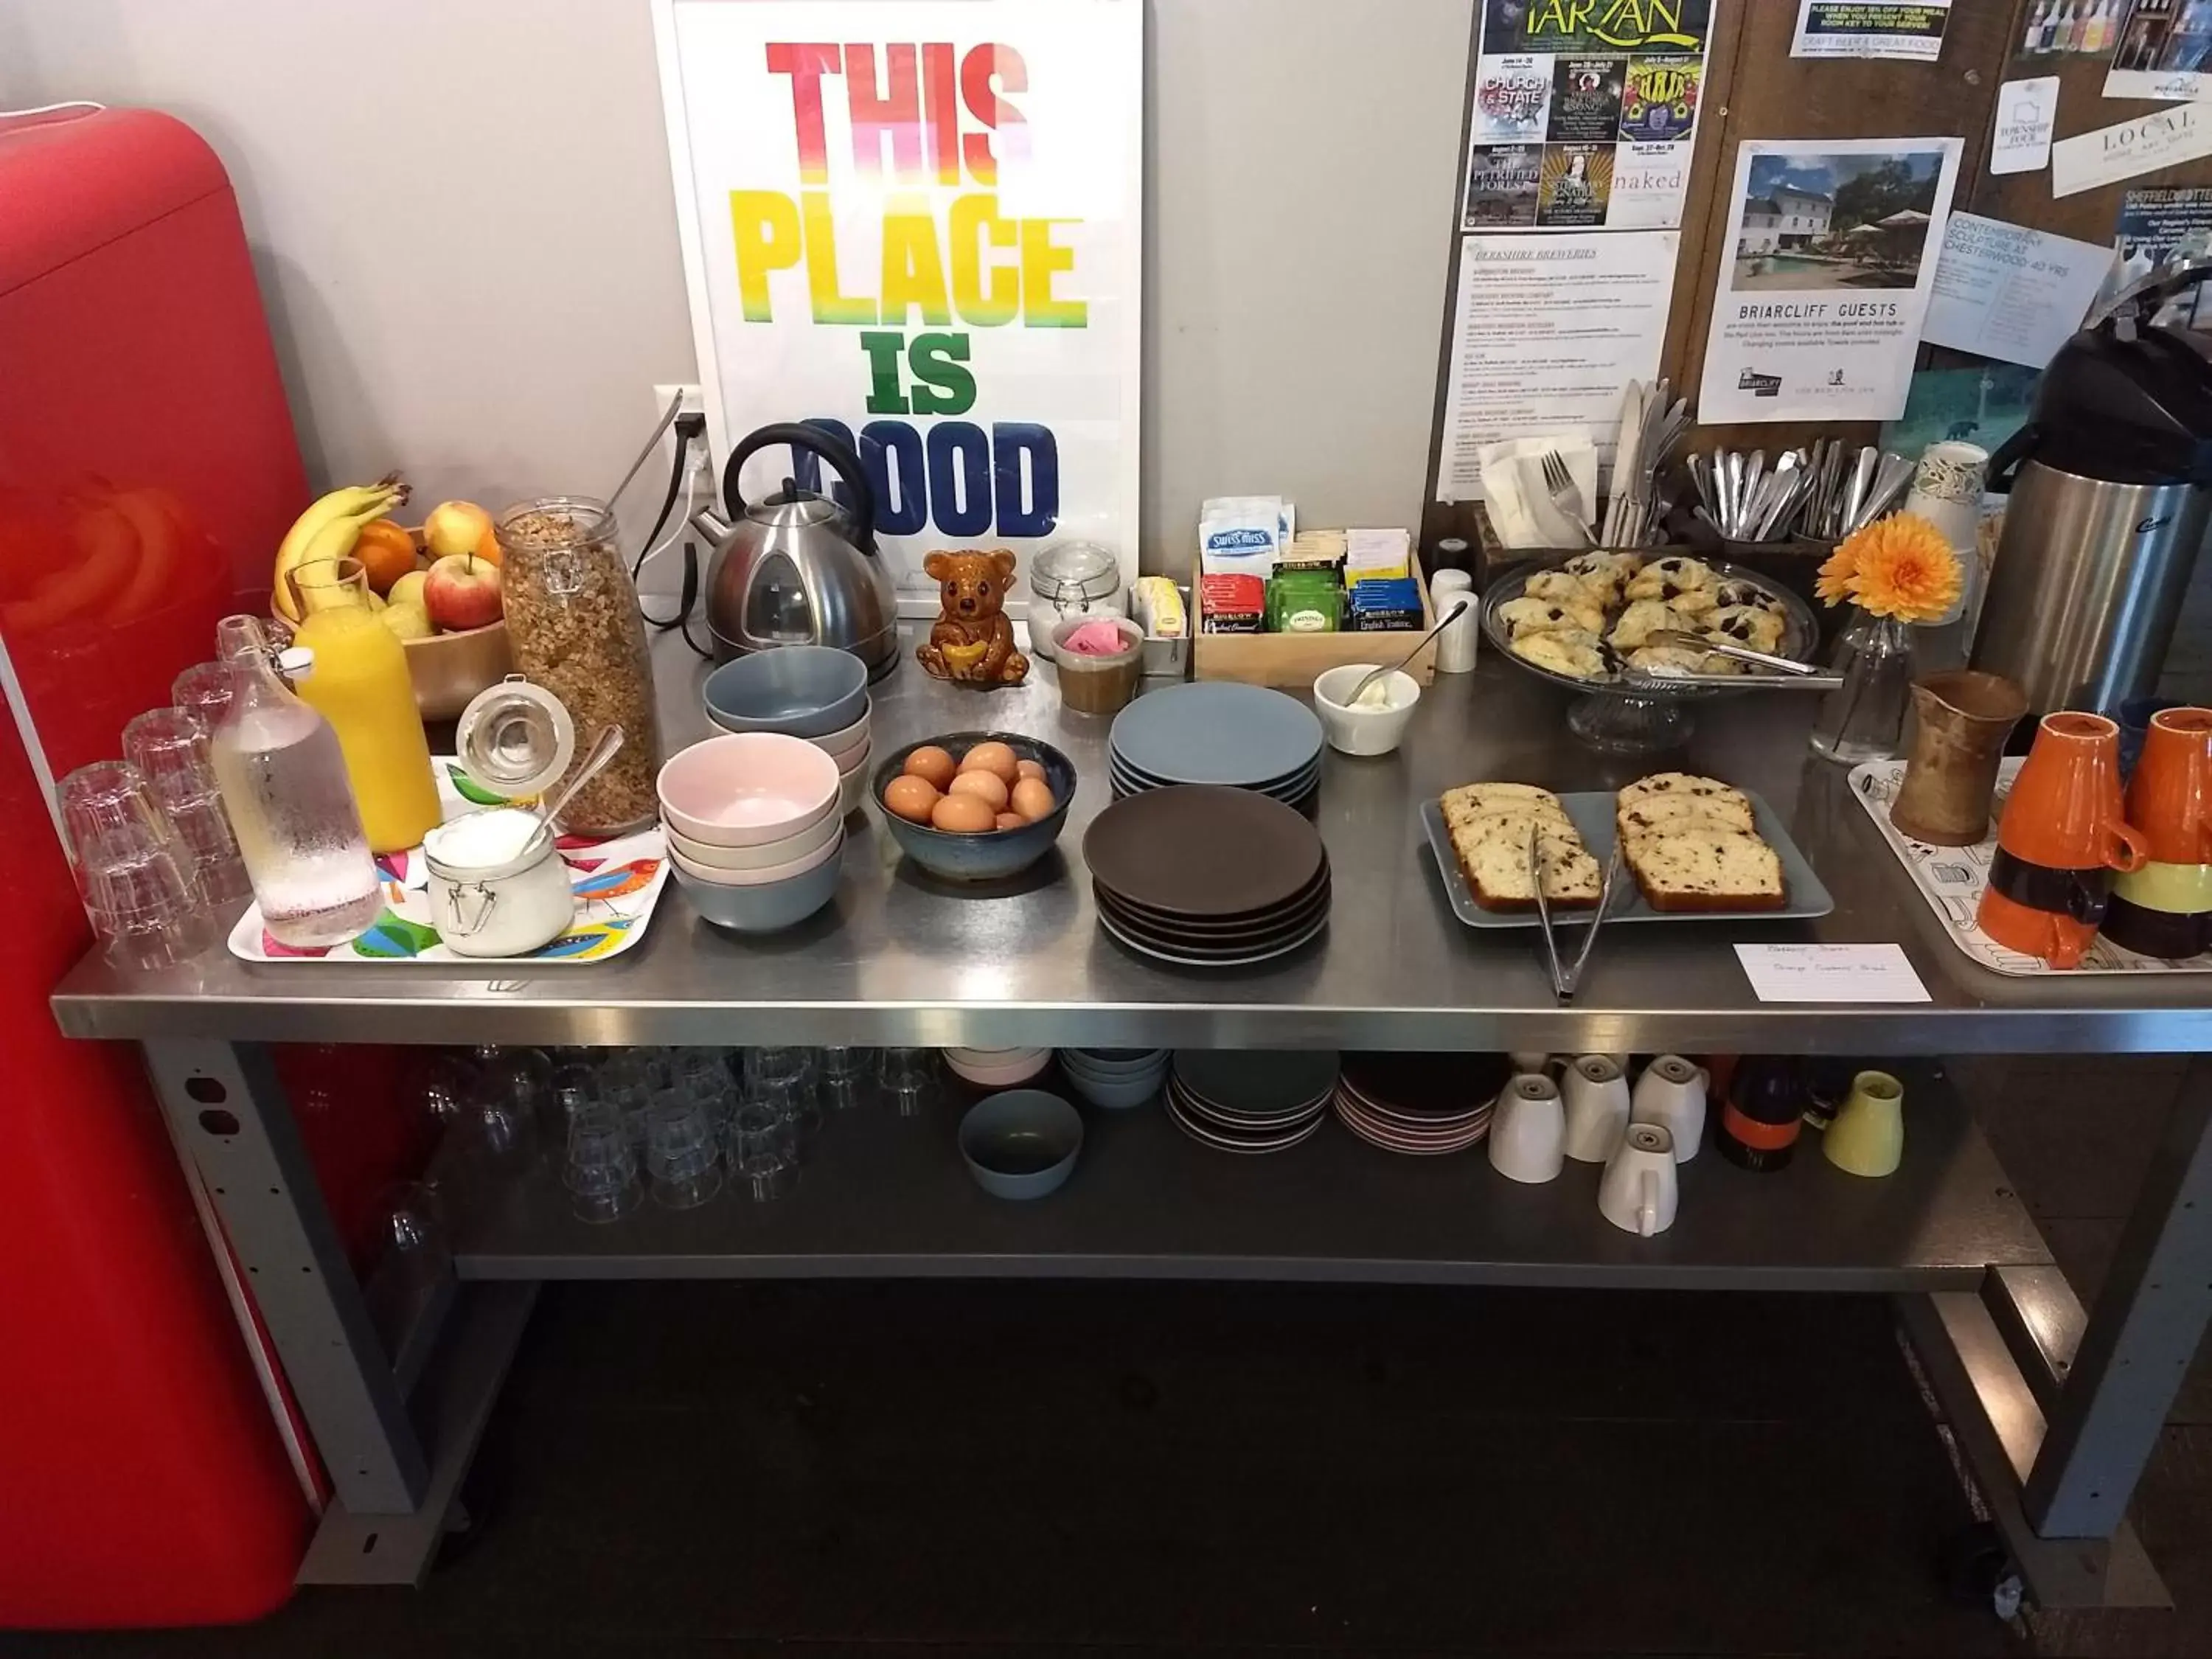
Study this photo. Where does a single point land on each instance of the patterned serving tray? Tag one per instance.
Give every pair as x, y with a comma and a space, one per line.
617, 885
1953, 878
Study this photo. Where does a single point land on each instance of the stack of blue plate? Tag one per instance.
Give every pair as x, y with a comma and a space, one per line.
1217, 732
1115, 1078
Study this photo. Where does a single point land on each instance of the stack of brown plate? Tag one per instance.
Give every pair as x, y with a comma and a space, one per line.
1250, 1100
1420, 1103
1207, 877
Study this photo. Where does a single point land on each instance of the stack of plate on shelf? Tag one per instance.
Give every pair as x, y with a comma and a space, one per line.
1250, 1100
1420, 1103
997, 1068
1207, 877
1217, 732
1115, 1078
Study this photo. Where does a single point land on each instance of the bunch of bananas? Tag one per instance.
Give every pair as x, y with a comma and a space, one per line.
328, 530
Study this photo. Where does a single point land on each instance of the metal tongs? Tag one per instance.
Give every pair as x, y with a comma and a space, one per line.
1564, 980
1783, 673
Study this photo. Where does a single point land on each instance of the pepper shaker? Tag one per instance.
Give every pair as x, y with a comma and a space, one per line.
1456, 644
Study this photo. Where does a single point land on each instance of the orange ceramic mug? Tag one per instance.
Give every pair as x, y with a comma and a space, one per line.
2063, 832
2170, 797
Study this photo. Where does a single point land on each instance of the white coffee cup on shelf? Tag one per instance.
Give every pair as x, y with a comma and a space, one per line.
1596, 1100
1531, 1062
1640, 1191
1671, 1094
1528, 1131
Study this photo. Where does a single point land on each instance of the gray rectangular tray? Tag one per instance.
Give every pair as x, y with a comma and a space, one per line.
1592, 813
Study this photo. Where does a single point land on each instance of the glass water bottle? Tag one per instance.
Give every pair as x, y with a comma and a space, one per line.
283, 781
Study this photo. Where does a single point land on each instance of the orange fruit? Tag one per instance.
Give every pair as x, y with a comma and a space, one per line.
487, 548
385, 551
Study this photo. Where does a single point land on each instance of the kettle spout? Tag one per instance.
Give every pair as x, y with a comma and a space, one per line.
711, 525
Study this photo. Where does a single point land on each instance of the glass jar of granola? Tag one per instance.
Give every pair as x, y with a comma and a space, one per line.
573, 618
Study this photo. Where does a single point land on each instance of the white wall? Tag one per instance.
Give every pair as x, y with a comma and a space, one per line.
462, 217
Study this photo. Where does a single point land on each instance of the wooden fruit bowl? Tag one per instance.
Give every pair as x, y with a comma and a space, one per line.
449, 669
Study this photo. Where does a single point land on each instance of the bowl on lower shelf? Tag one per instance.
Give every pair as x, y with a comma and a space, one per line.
992, 854
1021, 1144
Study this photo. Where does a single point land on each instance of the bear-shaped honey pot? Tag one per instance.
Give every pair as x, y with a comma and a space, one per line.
972, 640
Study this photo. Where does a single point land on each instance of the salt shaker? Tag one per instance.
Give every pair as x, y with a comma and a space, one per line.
1456, 645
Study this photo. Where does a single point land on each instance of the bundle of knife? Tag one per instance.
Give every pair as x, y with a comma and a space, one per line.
1650, 429
1827, 493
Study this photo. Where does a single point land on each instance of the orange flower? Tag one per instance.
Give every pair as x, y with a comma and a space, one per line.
1898, 567
1839, 573
1907, 570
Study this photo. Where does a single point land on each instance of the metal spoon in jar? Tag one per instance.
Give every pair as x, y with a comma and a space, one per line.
595, 760
1373, 675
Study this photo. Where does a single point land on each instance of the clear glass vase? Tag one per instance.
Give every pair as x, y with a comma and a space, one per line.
1863, 718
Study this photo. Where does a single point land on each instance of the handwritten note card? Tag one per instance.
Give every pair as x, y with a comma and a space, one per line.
1830, 973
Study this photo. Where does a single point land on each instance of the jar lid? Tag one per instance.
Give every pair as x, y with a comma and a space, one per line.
515, 739
1075, 570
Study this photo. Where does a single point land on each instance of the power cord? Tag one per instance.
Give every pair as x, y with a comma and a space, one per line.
690, 429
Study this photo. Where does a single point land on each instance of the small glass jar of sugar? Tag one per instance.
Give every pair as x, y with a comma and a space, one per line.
492, 894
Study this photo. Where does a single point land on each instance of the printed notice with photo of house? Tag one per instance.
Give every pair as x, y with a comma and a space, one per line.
1830, 260
1577, 96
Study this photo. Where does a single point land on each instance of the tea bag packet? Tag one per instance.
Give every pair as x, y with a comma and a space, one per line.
1239, 540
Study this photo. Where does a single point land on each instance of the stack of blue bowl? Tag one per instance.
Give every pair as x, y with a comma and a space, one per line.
1115, 1078
812, 691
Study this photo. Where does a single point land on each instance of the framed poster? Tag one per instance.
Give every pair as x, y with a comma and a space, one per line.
918, 224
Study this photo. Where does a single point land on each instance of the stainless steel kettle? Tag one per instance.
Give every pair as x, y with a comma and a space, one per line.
796, 568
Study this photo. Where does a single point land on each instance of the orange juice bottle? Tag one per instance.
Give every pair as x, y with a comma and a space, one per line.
360, 684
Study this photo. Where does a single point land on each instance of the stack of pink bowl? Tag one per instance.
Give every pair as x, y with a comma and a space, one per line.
754, 828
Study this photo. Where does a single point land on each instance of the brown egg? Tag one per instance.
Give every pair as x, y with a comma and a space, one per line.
931, 763
995, 758
1032, 799
984, 785
1030, 768
964, 815
910, 797
1011, 820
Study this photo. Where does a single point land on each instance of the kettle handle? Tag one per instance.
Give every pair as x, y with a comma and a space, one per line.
830, 447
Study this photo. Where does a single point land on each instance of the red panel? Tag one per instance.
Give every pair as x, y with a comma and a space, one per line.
148, 468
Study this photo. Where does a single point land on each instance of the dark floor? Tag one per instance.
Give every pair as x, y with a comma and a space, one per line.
1073, 1470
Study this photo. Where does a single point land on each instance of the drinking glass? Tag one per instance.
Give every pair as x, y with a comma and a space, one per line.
626, 1085
574, 1090
680, 1153
909, 1078
169, 747
765, 1064
203, 690
763, 1152
847, 1074
602, 1169
135, 877
791, 1099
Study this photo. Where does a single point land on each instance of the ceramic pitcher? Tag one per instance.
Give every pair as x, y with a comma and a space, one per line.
2164, 908
2063, 832
1867, 1137
1963, 718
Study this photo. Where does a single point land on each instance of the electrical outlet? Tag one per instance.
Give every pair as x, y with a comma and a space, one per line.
695, 402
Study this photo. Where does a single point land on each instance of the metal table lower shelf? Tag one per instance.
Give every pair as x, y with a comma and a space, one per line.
888, 1197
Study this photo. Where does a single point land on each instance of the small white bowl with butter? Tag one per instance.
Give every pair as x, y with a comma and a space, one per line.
1374, 725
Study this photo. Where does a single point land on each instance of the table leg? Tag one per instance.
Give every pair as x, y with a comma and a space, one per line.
2140, 1336
228, 1109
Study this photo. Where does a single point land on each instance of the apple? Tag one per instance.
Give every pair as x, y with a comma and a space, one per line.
409, 622
455, 527
462, 591
408, 590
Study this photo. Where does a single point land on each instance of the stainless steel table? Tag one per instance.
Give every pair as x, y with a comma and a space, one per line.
2057, 1413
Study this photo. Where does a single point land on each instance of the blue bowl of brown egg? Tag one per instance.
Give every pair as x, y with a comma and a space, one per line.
975, 805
